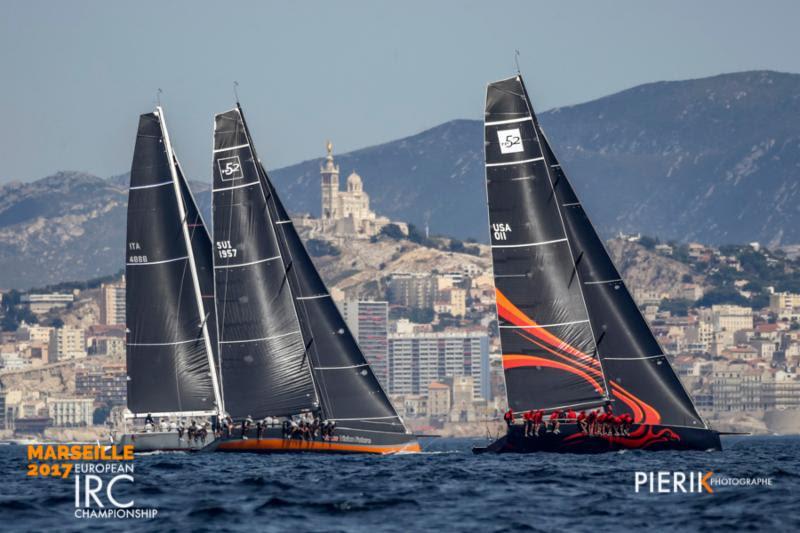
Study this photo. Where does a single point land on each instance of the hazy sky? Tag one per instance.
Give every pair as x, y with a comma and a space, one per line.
76, 75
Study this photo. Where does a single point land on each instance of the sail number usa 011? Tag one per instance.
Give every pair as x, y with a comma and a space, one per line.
500, 230
225, 250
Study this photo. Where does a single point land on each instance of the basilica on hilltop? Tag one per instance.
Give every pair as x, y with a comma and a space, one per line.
346, 212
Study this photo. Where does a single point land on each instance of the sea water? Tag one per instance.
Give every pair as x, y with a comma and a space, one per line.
446, 488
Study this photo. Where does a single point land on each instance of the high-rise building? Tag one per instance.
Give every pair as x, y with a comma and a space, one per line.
112, 303
107, 383
67, 342
418, 359
415, 290
369, 323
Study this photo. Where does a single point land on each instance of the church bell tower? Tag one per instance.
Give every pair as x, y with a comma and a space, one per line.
330, 185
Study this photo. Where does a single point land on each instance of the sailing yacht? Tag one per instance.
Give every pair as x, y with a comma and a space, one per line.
572, 336
284, 348
171, 325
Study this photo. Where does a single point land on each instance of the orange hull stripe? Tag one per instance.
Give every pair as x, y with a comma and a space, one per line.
284, 445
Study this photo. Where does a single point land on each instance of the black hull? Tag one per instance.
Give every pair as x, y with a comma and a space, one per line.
572, 440
344, 441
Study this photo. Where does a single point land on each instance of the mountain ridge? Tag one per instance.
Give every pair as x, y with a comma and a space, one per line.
713, 159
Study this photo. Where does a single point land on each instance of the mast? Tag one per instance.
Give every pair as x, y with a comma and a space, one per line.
192, 264
549, 351
348, 390
167, 354
264, 365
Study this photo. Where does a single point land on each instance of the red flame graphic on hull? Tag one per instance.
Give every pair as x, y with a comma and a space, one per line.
642, 436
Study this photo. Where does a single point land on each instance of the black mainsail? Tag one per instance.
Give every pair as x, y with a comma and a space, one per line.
170, 350
263, 361
571, 333
347, 389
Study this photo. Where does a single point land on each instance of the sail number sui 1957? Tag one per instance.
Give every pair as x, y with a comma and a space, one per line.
225, 250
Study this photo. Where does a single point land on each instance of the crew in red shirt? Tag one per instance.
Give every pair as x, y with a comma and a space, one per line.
538, 416
554, 416
601, 423
571, 416
591, 420
627, 420
509, 418
582, 423
528, 421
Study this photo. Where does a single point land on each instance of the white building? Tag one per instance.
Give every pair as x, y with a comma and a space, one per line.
70, 412
418, 359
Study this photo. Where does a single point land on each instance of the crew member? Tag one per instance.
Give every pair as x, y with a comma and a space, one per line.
509, 417
582, 423
528, 423
554, 421
591, 420
538, 417
571, 416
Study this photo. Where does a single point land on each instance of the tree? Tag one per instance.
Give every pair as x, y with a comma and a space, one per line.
676, 307
100, 415
648, 242
421, 315
393, 231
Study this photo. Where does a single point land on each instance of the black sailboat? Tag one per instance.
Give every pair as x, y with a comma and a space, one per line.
284, 348
572, 336
171, 324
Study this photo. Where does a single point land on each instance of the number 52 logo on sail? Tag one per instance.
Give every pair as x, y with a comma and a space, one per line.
230, 168
510, 141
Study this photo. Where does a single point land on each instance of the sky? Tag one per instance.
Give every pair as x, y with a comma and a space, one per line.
76, 75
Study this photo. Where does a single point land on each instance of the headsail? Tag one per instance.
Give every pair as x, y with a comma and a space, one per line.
640, 377
557, 288
169, 355
263, 359
348, 390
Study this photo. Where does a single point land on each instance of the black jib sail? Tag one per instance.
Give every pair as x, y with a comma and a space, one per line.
170, 351
265, 371
570, 330
348, 390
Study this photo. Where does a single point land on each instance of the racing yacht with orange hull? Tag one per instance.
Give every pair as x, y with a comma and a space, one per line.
284, 348
572, 336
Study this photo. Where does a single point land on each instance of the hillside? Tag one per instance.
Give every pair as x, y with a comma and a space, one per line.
715, 160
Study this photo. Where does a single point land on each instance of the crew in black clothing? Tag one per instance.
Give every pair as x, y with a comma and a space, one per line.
259, 428
149, 420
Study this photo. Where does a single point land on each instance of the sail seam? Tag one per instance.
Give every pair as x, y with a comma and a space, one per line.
633, 358
340, 367
150, 186
546, 325
508, 121
159, 262
601, 282
160, 343
263, 338
540, 243
522, 161
570, 204
218, 150
235, 187
249, 263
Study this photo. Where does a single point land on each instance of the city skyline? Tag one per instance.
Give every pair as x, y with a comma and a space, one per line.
82, 72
